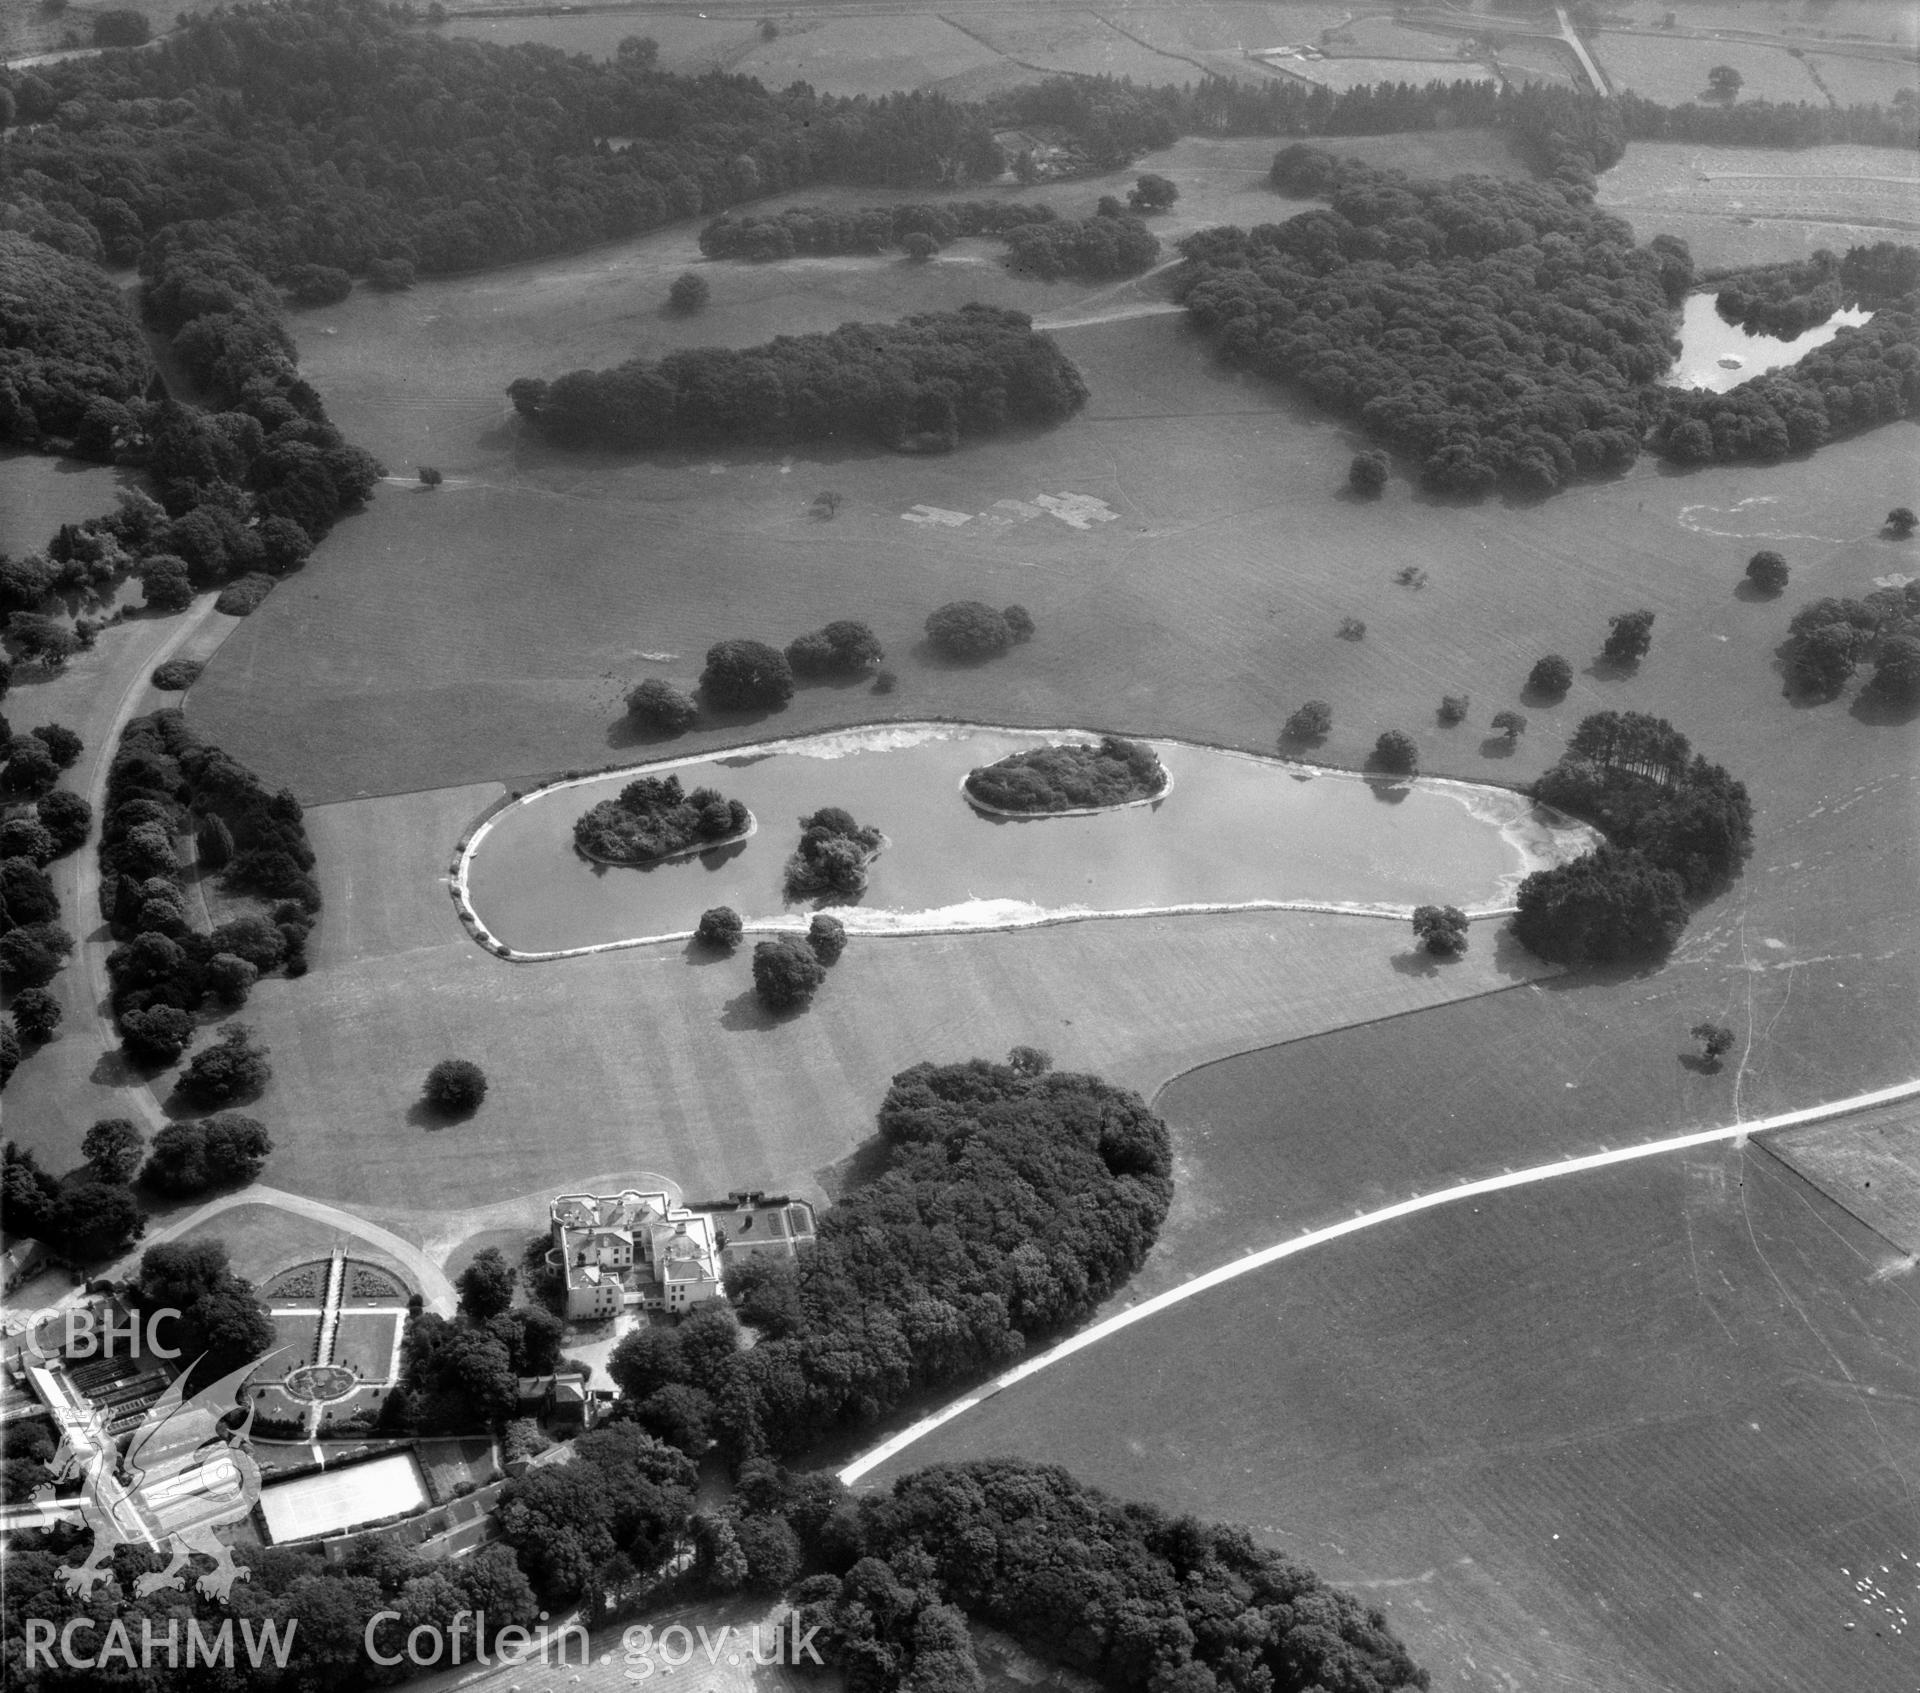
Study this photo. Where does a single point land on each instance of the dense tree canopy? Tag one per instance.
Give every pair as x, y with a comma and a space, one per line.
927, 382
1497, 332
1069, 777
653, 818
1011, 1205
1123, 1593
66, 340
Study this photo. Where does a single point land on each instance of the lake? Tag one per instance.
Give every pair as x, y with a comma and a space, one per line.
1706, 338
1233, 830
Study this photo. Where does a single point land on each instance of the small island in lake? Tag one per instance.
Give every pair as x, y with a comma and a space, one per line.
833, 857
1070, 778
652, 819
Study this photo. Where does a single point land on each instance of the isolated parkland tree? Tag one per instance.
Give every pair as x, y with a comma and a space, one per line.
1152, 193
744, 675
1396, 753
1512, 724
1367, 474
719, 928
1901, 522
658, 705
1550, 676
113, 1147
1724, 82
1441, 929
786, 975
1715, 1039
1629, 635
1767, 571
456, 1086
689, 293
1311, 722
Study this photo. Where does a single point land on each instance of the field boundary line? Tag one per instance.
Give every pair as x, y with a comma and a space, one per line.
1259, 1260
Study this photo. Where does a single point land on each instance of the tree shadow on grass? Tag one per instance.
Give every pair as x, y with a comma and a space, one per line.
1419, 962
424, 1114
1883, 714
1753, 594
697, 951
625, 732
866, 1163
1542, 699
1390, 789
926, 653
1698, 1065
745, 1013
1497, 746
1604, 669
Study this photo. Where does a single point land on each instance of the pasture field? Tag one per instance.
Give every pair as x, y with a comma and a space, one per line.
1346, 72
1864, 82
1047, 42
1834, 20
1673, 69
1870, 1164
875, 55
1760, 205
1641, 1428
659, 1057
41, 493
689, 45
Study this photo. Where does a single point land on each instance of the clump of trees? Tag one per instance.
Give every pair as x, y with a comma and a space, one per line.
1487, 285
1901, 522
1367, 474
652, 818
844, 647
925, 383
1511, 724
1152, 192
662, 707
455, 1087
234, 1067
164, 782
1676, 827
744, 675
1056, 1182
1828, 639
1441, 929
1065, 778
1089, 249
203, 1153
825, 231
786, 973
92, 1217
1118, 1592
1453, 708
970, 630
1716, 1041
834, 856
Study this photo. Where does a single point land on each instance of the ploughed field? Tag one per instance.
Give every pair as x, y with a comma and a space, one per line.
1644, 1427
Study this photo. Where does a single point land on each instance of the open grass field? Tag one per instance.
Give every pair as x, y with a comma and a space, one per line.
1870, 1164
1864, 82
657, 1058
38, 494
1050, 41
363, 1342
263, 1240
1758, 205
1639, 1429
1673, 69
689, 45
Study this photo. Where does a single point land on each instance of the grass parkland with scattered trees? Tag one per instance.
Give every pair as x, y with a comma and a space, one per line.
323, 142
1069, 778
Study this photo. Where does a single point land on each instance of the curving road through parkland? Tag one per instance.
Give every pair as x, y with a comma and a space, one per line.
871, 1460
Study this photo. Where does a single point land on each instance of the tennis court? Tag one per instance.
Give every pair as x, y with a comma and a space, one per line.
341, 1499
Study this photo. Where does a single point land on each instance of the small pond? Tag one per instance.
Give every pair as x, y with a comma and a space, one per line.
1233, 830
1706, 338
